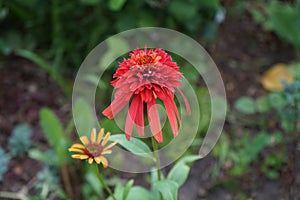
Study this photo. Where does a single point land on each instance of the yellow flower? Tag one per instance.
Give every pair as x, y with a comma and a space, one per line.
93, 149
272, 79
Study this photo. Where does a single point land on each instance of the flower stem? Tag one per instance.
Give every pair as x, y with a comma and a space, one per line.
103, 183
157, 162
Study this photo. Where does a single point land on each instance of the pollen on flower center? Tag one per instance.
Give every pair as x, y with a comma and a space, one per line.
146, 59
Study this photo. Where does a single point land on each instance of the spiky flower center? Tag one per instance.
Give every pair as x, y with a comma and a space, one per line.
94, 149
145, 59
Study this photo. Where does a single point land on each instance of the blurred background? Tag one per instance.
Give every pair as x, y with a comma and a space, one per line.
255, 44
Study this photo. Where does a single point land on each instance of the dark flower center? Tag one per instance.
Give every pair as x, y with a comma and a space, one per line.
94, 149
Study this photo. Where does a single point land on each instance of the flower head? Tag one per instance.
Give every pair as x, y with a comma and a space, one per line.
146, 76
93, 149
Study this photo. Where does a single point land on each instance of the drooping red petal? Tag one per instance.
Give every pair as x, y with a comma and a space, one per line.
115, 107
168, 98
154, 120
187, 105
176, 111
131, 116
171, 115
139, 119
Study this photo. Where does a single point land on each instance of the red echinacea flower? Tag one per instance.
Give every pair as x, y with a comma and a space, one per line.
146, 76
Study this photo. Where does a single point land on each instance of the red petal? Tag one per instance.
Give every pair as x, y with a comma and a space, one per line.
131, 116
139, 119
115, 107
171, 115
154, 120
176, 111
187, 105
168, 98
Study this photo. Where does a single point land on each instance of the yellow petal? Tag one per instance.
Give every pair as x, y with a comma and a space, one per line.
76, 150
79, 146
105, 140
110, 146
80, 156
100, 135
93, 135
104, 161
84, 140
106, 152
91, 160
98, 160
272, 79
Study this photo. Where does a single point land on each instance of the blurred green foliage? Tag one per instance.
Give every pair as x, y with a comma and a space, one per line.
48, 182
281, 17
239, 153
55, 135
64, 32
283, 107
20, 142
4, 159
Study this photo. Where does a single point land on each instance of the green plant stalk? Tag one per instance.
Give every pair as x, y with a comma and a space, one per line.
12, 195
103, 182
156, 155
157, 161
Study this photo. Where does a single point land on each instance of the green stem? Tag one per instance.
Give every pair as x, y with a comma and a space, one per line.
103, 183
157, 161
12, 195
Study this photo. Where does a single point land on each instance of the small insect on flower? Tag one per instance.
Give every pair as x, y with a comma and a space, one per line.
147, 76
93, 149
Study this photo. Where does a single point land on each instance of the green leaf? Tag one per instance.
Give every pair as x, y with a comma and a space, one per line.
180, 171
263, 104
118, 192
116, 5
135, 146
54, 133
181, 10
167, 188
295, 69
205, 108
47, 156
94, 182
127, 189
277, 101
245, 105
84, 119
51, 126
285, 21
138, 193
110, 125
